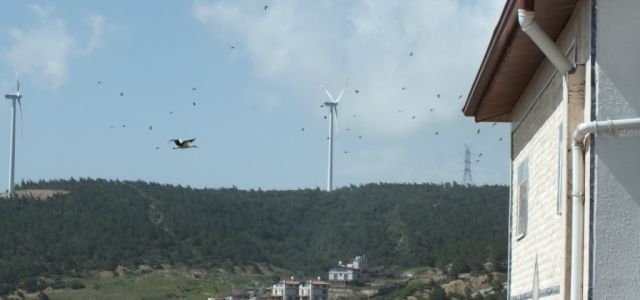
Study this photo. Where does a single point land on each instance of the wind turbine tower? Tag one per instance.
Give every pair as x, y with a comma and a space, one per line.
12, 150
467, 179
333, 110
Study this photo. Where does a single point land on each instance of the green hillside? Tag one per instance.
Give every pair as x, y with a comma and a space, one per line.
103, 224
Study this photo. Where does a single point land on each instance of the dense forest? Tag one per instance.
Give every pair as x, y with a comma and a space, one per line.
101, 224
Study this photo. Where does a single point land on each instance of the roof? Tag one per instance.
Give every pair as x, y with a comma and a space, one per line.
511, 60
317, 282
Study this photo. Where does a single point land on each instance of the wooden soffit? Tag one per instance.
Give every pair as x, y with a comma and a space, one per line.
511, 60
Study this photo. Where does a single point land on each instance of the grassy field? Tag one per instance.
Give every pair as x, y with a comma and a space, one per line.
160, 284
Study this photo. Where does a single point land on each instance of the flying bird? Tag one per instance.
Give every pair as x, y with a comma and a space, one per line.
150, 128
403, 88
121, 94
500, 140
478, 131
411, 54
436, 133
99, 82
345, 152
438, 95
325, 117
183, 144
232, 47
477, 160
459, 96
170, 112
193, 89
302, 128
494, 124
414, 117
157, 148
266, 6
123, 126
321, 106
354, 116
357, 91
194, 104
360, 137
480, 155
431, 109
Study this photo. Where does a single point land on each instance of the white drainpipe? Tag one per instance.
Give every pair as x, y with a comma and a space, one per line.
543, 41
577, 192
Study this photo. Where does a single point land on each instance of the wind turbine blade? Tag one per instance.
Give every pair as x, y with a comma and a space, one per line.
21, 122
325, 90
344, 88
17, 78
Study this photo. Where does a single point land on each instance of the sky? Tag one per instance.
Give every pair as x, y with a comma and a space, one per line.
242, 80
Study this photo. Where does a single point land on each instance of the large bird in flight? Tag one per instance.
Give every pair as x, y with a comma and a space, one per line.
183, 144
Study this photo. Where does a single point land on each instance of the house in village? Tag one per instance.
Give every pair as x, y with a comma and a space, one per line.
295, 290
565, 74
345, 275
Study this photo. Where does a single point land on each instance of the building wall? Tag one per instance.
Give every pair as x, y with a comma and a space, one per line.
540, 261
615, 235
536, 140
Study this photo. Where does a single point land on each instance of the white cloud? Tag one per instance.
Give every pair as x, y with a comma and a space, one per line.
42, 52
296, 43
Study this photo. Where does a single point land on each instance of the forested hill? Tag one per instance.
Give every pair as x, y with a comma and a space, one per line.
101, 224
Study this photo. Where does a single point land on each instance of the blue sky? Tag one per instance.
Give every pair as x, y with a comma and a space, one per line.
252, 100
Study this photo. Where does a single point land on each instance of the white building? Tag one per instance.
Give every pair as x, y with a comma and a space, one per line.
285, 290
314, 290
342, 276
574, 229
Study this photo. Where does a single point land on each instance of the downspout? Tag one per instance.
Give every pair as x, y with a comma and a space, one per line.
577, 191
529, 25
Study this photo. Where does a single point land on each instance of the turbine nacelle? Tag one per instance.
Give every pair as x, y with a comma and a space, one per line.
331, 103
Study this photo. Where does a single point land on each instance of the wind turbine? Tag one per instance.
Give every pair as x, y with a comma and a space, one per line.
333, 109
12, 150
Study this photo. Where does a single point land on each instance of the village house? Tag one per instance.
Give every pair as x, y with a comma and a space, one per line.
564, 74
295, 290
345, 275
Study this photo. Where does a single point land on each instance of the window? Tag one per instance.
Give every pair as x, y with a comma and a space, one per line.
523, 198
560, 168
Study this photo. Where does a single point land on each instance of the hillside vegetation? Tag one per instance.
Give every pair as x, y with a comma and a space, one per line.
103, 224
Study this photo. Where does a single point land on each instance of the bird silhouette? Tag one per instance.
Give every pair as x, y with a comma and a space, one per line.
123, 126
327, 138
438, 95
194, 104
357, 91
302, 128
183, 144
266, 6
354, 116
232, 47
431, 109
494, 124
347, 129
345, 152
500, 140
403, 88
121, 94
99, 82
411, 54
477, 160
399, 111
157, 148
150, 128
478, 131
414, 117
325, 117
436, 133
480, 155
111, 126
170, 112
193, 89
321, 105
459, 96
360, 137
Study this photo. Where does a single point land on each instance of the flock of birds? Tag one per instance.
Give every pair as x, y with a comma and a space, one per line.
186, 144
